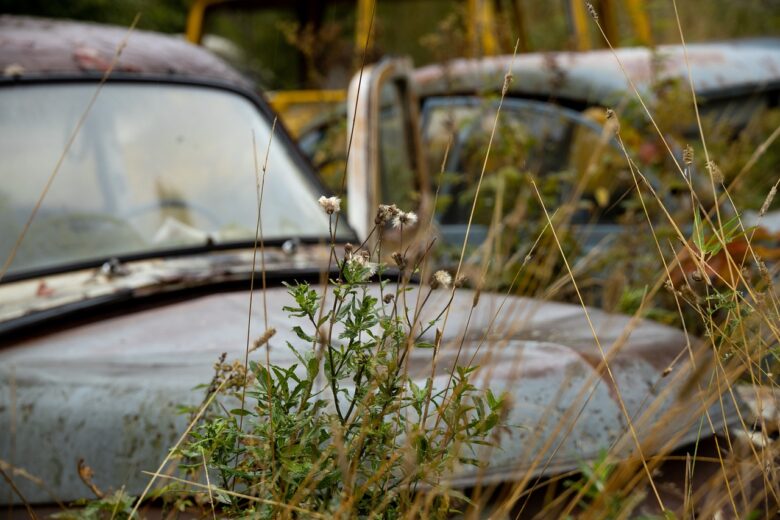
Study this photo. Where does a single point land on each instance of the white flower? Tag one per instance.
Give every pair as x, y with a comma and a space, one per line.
441, 279
361, 261
407, 219
386, 213
331, 205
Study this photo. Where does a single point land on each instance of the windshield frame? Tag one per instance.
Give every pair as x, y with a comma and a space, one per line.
265, 112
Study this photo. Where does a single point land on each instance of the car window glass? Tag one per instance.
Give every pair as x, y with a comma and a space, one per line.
555, 147
326, 147
154, 167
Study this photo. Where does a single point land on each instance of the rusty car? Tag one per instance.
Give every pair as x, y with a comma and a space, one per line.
421, 136
128, 272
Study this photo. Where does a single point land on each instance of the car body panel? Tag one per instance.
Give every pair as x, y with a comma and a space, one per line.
36, 47
107, 390
31, 302
599, 77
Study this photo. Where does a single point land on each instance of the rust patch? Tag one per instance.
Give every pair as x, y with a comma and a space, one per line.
38, 46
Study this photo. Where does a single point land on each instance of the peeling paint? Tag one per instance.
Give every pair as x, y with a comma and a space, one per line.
596, 77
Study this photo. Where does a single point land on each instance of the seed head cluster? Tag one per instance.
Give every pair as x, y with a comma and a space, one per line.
386, 213
717, 175
361, 259
688, 155
612, 121
768, 201
592, 11
441, 279
331, 205
406, 219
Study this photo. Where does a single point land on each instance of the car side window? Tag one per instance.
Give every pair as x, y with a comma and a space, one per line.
564, 152
326, 147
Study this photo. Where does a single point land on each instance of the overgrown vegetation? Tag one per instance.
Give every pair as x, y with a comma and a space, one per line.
346, 430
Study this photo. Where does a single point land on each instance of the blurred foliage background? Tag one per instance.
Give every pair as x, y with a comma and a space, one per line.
546, 25
157, 15
275, 48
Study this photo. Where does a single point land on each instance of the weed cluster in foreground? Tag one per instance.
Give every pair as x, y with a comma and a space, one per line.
346, 429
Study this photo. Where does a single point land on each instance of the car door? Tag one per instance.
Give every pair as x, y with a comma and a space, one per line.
386, 163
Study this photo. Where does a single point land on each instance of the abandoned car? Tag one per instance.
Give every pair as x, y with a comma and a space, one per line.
134, 153
552, 129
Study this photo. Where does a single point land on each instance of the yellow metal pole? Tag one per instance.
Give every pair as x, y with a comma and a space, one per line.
580, 18
195, 21
481, 27
608, 20
636, 10
195, 17
364, 10
488, 25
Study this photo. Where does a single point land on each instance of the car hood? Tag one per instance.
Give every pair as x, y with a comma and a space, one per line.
108, 391
28, 303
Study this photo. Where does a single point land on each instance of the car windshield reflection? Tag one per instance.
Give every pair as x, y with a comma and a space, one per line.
154, 167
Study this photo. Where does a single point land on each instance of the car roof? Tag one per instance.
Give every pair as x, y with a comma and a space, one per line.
40, 47
596, 77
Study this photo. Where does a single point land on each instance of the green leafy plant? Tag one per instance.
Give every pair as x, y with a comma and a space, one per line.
346, 430
117, 505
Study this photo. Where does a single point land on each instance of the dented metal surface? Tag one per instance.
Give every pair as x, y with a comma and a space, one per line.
596, 77
107, 391
33, 47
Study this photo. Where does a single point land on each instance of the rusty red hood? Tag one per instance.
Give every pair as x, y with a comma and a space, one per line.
107, 391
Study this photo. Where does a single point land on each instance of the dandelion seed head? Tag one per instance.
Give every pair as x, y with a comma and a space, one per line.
385, 213
331, 205
441, 279
407, 219
361, 261
399, 260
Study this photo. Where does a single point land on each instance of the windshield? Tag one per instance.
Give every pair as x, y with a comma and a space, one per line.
155, 167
